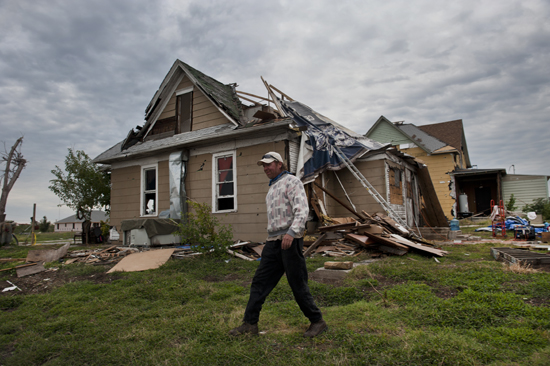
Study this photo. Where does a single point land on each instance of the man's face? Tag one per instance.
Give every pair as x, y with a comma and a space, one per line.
272, 169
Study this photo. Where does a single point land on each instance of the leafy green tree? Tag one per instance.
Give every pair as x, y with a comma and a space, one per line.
82, 186
44, 225
541, 206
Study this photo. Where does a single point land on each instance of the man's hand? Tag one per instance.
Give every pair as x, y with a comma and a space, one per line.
286, 242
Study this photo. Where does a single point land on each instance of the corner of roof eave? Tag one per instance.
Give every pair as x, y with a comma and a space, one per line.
275, 125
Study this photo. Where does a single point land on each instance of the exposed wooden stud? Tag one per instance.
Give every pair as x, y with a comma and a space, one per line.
250, 100
253, 95
340, 202
274, 97
314, 245
283, 94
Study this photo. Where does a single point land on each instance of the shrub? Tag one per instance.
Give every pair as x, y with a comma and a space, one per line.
541, 206
511, 204
203, 231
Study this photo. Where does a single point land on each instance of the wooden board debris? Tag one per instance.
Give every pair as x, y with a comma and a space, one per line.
419, 247
23, 270
522, 257
338, 265
47, 255
314, 245
361, 239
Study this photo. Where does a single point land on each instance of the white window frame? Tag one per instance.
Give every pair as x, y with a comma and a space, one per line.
142, 192
215, 175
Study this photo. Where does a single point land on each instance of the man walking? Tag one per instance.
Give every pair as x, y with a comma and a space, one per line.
287, 211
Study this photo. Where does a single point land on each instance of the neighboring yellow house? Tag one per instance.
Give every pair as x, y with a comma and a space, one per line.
441, 146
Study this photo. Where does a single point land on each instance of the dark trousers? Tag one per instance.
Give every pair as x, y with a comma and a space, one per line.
274, 263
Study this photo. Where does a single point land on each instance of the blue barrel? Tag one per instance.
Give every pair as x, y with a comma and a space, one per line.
455, 226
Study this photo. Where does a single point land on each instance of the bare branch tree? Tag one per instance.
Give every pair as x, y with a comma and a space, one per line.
15, 163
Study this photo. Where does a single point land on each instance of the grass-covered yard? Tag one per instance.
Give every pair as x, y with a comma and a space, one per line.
466, 310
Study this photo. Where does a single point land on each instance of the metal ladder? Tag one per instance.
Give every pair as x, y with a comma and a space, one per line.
385, 205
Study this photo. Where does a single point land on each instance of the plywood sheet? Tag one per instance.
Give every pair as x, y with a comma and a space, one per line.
47, 255
143, 261
26, 271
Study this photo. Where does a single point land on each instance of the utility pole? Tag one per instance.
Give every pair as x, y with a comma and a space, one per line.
32, 224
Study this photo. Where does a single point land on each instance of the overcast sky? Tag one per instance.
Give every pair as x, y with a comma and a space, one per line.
81, 73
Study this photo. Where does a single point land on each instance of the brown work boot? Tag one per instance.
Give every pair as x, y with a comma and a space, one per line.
245, 328
315, 329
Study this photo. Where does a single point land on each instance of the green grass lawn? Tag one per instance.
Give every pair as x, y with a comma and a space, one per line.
466, 310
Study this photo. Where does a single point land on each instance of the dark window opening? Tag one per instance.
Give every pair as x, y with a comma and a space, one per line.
184, 112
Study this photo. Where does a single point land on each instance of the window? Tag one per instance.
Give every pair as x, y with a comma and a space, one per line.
184, 110
149, 197
224, 182
73, 225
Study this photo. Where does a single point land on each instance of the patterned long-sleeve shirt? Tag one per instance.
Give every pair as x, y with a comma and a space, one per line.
287, 207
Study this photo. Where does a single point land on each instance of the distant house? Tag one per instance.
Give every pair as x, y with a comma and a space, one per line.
478, 187
441, 146
201, 142
71, 223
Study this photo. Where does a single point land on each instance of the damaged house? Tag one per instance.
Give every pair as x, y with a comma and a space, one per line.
441, 146
201, 141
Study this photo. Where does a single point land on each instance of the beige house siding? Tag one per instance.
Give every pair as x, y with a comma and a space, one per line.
205, 114
439, 165
373, 171
249, 222
125, 194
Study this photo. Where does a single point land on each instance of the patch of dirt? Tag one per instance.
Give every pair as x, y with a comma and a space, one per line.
535, 301
445, 292
50, 279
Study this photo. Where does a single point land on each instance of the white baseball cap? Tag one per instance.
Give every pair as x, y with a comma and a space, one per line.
270, 157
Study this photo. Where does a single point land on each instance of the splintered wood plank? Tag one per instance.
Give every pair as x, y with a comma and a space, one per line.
360, 239
314, 245
324, 248
388, 242
337, 227
419, 247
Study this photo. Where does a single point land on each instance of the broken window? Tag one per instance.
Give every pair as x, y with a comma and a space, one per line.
184, 110
224, 179
149, 191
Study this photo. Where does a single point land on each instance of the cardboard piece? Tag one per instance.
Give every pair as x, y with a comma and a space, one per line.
258, 249
143, 261
47, 255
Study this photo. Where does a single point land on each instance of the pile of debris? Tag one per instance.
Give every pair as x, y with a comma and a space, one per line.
99, 256
377, 234
346, 237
